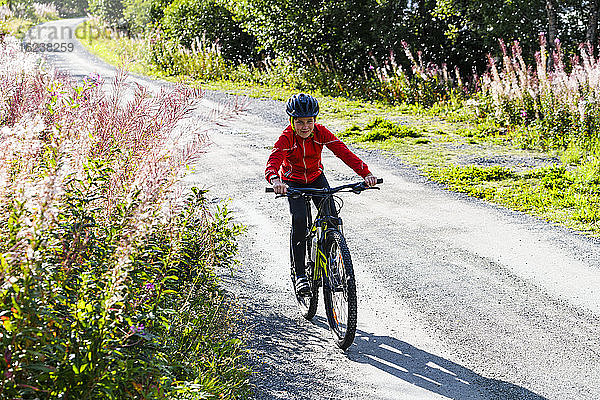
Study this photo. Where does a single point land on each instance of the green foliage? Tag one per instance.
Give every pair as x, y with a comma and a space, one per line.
471, 173
380, 129
108, 284
486, 129
551, 192
70, 327
185, 21
137, 14
69, 8
109, 11
202, 62
157, 10
15, 27
337, 32
474, 27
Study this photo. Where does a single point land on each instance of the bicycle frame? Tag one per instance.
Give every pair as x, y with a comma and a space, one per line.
323, 224
329, 263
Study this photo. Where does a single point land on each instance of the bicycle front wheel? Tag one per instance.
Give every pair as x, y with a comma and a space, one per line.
339, 290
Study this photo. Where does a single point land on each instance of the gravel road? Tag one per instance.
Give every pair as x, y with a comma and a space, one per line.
458, 298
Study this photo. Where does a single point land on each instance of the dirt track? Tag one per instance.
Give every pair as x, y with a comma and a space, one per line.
458, 298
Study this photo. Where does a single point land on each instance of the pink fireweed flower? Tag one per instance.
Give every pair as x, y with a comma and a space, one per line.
139, 329
92, 80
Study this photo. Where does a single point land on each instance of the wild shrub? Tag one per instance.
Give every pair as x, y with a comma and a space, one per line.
379, 129
203, 61
109, 11
45, 12
108, 288
137, 15
560, 102
425, 85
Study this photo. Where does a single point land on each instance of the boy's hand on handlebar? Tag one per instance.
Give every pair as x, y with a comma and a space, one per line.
278, 186
370, 180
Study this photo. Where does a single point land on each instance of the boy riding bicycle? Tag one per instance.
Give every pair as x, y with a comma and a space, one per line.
296, 162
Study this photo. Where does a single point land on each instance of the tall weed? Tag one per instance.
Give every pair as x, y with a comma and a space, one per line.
425, 85
561, 102
106, 268
203, 61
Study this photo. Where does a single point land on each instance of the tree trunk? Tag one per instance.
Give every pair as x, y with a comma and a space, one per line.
591, 34
552, 10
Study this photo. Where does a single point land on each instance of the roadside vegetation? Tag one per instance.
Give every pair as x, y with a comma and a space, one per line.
107, 263
16, 18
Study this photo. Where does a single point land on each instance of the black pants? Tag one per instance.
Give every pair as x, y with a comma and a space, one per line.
299, 219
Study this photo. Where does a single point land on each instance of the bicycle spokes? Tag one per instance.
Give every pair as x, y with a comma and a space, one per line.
337, 286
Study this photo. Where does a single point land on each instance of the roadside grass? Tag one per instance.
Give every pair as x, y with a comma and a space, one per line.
119, 51
552, 193
445, 144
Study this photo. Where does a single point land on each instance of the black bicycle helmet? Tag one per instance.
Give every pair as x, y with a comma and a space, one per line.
302, 105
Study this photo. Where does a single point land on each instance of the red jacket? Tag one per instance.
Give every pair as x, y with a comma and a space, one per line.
297, 159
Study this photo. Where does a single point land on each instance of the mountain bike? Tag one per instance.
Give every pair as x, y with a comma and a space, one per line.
328, 262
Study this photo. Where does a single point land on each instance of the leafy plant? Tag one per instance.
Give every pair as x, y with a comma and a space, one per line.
108, 285
381, 129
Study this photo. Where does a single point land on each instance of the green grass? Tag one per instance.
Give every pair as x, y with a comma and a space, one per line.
552, 193
121, 51
440, 141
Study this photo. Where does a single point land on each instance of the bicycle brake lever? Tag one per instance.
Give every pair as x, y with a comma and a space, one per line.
359, 188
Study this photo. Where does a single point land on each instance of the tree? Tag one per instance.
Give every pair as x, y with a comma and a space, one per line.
592, 27
109, 11
137, 14
337, 33
187, 20
483, 23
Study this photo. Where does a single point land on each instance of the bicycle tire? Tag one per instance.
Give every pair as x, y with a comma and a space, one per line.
307, 304
339, 292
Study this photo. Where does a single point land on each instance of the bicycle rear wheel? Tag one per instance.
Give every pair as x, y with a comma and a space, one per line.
339, 290
307, 304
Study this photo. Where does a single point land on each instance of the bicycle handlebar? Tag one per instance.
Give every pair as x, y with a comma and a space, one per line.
355, 187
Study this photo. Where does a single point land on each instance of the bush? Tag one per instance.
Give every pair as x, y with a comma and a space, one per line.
109, 11
72, 8
186, 21
108, 286
319, 31
137, 14
424, 85
203, 61
560, 103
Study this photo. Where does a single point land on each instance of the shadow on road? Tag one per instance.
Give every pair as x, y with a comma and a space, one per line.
429, 371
